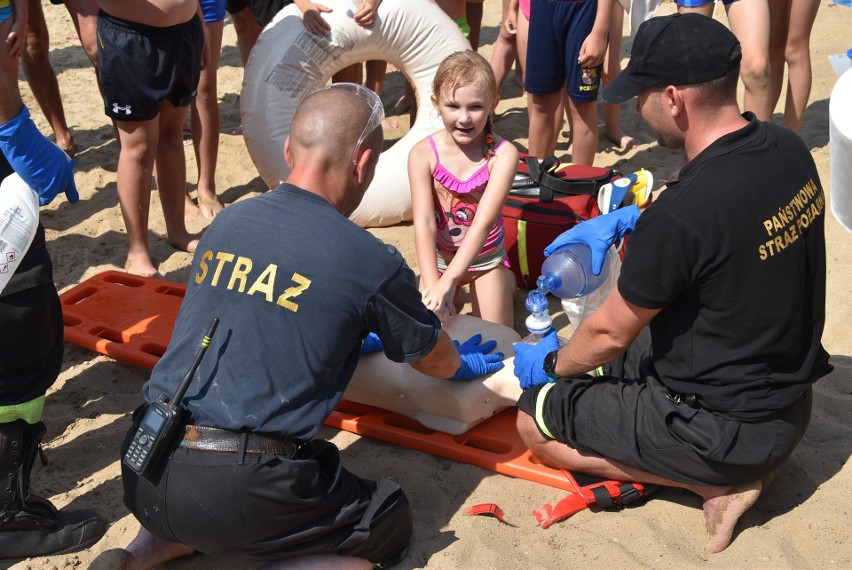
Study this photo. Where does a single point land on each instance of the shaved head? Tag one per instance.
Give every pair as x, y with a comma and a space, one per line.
328, 124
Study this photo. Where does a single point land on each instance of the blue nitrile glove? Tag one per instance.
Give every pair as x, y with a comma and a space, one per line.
599, 234
472, 345
372, 343
477, 359
39, 162
529, 360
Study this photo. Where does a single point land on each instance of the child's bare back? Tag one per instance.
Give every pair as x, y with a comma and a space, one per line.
158, 13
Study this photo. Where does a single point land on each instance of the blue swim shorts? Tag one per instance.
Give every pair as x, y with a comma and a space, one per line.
697, 3
213, 10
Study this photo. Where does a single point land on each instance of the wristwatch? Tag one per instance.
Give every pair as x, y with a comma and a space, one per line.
549, 365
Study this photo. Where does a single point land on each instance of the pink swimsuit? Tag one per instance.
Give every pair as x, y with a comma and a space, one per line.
456, 202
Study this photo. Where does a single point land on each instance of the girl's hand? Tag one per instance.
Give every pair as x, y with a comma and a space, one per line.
439, 298
312, 19
365, 16
592, 51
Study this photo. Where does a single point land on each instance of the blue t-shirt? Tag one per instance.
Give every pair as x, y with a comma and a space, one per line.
296, 287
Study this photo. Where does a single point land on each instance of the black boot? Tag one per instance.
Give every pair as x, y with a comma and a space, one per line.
30, 525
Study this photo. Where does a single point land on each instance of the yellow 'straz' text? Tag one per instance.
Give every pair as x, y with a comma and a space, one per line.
240, 269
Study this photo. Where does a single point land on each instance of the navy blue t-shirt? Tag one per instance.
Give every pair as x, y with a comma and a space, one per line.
296, 287
734, 255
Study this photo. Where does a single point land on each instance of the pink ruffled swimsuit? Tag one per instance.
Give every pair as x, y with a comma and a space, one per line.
456, 202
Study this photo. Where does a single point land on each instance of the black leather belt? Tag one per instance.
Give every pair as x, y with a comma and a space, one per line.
215, 439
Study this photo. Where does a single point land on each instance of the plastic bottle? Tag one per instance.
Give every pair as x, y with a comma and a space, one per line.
18, 224
567, 272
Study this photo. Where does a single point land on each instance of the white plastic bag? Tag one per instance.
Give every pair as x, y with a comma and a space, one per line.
579, 308
18, 224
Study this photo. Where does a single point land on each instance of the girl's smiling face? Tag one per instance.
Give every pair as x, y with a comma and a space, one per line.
464, 111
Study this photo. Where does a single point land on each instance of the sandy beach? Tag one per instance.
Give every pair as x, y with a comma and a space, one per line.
803, 521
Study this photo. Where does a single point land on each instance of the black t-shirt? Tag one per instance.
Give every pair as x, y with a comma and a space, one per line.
296, 287
734, 255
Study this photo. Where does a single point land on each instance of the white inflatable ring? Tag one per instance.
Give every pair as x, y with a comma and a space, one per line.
288, 62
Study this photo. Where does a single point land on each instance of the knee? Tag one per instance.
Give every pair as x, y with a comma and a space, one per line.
755, 70
528, 430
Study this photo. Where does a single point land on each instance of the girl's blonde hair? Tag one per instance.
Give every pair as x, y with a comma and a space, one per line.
468, 68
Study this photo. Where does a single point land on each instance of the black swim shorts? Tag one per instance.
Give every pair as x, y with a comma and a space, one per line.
641, 424
141, 65
262, 10
267, 507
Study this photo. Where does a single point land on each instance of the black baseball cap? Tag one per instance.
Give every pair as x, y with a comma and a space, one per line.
680, 49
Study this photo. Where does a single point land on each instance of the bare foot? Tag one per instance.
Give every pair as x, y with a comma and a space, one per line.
722, 511
389, 125
620, 139
190, 210
141, 267
210, 207
184, 242
146, 551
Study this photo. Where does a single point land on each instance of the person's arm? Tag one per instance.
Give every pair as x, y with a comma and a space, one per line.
442, 362
423, 211
593, 50
604, 335
311, 17
17, 36
510, 16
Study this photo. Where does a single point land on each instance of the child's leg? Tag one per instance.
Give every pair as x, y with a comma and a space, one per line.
504, 51
376, 70
10, 94
749, 20
612, 67
42, 78
351, 74
171, 175
798, 56
135, 167
473, 13
779, 20
248, 30
584, 134
544, 112
491, 296
522, 42
205, 126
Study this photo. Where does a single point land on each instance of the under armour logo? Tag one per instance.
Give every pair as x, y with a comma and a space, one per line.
116, 108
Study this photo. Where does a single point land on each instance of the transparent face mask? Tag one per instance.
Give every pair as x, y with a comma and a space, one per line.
377, 111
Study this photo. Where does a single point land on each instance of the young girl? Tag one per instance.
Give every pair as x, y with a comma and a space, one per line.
460, 177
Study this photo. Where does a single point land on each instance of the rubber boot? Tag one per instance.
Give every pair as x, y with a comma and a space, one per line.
30, 525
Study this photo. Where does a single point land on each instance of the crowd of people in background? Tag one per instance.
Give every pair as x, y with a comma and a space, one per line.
572, 44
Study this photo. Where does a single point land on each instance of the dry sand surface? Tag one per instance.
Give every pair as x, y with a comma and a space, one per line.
803, 521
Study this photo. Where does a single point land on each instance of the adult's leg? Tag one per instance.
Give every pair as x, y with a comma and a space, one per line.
723, 505
543, 111
171, 175
584, 131
42, 78
135, 169
798, 56
492, 295
749, 20
205, 126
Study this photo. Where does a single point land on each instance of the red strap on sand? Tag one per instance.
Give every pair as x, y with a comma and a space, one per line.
489, 509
